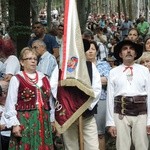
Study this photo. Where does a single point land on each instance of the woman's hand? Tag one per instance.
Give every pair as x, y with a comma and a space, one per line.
16, 131
7, 77
2, 127
53, 127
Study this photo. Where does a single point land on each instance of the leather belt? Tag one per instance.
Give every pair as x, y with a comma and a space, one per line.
130, 105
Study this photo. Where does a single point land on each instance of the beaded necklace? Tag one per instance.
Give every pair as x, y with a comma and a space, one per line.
30, 80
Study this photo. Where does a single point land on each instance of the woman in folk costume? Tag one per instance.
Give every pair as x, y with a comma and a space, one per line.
9, 66
29, 106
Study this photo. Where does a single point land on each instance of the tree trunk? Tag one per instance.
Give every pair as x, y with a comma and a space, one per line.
146, 10
22, 17
49, 13
124, 7
119, 9
34, 9
130, 9
4, 6
82, 14
138, 8
11, 12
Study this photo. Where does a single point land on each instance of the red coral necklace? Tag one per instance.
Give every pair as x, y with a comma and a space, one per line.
30, 80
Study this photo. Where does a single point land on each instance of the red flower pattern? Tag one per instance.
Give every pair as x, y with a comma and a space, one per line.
27, 115
27, 147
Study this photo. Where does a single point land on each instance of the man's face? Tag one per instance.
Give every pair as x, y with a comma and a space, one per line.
38, 48
128, 53
60, 30
38, 29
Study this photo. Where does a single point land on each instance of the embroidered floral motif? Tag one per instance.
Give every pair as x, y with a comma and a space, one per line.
27, 94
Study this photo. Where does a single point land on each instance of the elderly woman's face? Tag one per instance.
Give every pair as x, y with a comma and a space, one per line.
147, 45
146, 62
29, 62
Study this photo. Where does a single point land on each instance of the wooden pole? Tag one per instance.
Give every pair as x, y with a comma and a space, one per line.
81, 140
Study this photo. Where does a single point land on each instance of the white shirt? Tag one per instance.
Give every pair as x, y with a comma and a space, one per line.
47, 64
118, 84
96, 85
10, 66
10, 111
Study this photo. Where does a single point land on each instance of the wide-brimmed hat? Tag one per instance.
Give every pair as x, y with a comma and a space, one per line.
117, 49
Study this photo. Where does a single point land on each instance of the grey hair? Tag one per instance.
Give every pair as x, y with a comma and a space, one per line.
40, 42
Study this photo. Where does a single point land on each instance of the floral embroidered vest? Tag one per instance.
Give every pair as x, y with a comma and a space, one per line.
27, 94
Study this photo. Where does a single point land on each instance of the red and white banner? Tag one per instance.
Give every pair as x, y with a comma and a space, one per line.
75, 93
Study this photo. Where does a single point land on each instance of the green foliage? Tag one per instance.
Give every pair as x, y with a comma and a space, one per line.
18, 31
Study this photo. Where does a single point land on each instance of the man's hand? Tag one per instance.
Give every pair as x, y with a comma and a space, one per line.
148, 129
113, 131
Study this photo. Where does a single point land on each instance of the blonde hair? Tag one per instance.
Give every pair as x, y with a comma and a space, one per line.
145, 55
26, 50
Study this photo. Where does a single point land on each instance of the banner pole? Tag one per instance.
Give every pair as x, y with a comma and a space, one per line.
81, 140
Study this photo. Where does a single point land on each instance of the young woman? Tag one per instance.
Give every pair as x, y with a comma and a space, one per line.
103, 69
133, 35
147, 44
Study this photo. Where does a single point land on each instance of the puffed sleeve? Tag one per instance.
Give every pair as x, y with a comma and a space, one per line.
110, 102
54, 85
11, 100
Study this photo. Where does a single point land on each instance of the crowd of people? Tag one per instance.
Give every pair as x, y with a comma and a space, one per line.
118, 52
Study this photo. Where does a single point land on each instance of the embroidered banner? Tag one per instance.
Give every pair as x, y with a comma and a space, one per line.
75, 93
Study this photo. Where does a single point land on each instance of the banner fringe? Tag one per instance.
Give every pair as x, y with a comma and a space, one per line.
62, 128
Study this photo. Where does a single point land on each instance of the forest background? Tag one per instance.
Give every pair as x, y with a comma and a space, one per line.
18, 15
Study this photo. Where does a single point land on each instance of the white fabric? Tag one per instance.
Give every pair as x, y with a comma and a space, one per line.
90, 135
102, 50
11, 65
96, 85
11, 100
4, 122
47, 64
119, 85
139, 133
54, 85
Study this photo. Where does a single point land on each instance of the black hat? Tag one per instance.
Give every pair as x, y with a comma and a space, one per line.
117, 49
86, 45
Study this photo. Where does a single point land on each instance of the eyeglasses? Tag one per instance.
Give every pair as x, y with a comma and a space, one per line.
35, 47
35, 59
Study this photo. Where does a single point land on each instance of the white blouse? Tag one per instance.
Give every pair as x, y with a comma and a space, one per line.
11, 100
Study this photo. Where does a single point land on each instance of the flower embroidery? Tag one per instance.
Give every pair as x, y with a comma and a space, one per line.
27, 94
